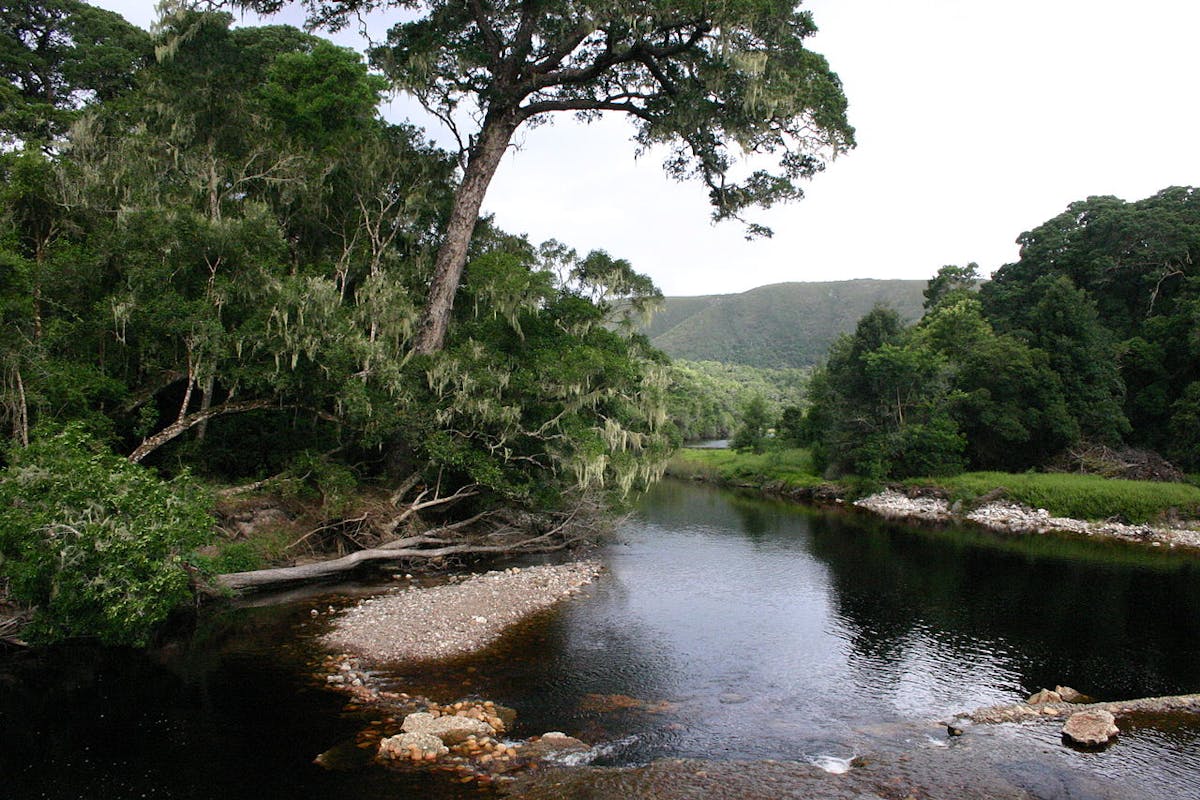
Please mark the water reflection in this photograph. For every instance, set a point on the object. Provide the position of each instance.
(729, 628)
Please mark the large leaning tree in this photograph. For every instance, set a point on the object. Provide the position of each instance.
(728, 85)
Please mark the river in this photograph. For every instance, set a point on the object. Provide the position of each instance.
(729, 628)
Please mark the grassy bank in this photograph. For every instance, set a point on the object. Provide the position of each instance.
(1064, 495)
(791, 467)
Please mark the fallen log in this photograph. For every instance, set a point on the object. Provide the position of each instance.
(405, 549)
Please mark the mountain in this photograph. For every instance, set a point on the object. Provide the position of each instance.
(781, 325)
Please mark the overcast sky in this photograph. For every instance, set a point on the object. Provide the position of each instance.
(976, 121)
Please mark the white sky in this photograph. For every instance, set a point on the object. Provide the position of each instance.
(976, 121)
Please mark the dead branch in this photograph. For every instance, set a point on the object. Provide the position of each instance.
(268, 578)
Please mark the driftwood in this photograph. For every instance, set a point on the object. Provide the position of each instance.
(435, 544)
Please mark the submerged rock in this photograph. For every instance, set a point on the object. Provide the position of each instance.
(1094, 728)
(553, 743)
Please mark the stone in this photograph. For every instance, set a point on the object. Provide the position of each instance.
(1094, 728)
(412, 745)
(1069, 695)
(451, 729)
(1044, 696)
(553, 743)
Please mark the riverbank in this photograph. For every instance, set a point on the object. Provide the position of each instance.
(460, 617)
(1152, 513)
(1008, 517)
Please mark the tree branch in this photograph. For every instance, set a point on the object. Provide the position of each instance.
(152, 443)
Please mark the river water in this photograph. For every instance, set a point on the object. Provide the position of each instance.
(729, 628)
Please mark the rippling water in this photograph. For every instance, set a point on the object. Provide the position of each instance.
(729, 628)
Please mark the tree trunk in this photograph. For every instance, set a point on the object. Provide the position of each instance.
(324, 570)
(498, 128)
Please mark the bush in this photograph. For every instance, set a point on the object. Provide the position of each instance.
(95, 544)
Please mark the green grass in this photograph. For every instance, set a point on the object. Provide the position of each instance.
(1064, 495)
(792, 467)
(1078, 496)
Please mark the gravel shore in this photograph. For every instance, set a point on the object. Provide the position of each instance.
(439, 622)
(1013, 518)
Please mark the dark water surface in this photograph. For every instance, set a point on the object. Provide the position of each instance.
(729, 628)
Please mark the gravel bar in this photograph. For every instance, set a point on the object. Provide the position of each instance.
(440, 622)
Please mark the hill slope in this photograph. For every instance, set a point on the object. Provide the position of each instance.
(781, 325)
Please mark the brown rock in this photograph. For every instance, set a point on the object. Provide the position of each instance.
(1069, 695)
(1090, 728)
(1044, 696)
(552, 743)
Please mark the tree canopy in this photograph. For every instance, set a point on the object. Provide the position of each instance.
(712, 81)
(1090, 338)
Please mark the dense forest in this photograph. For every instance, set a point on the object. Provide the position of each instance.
(1090, 340)
(220, 265)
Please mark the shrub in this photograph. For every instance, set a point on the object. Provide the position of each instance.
(94, 543)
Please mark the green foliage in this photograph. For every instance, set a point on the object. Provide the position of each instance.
(951, 283)
(882, 405)
(97, 545)
(1080, 496)
(789, 467)
(56, 57)
(706, 398)
(1110, 290)
(753, 428)
(782, 326)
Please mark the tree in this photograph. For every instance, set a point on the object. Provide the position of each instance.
(707, 80)
(951, 282)
(752, 431)
(57, 56)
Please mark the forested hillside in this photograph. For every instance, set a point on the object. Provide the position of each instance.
(784, 325)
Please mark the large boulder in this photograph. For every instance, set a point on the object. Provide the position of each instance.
(1095, 728)
(450, 729)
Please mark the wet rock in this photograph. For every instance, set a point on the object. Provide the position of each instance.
(1069, 695)
(1044, 696)
(553, 743)
(450, 730)
(733, 698)
(1094, 728)
(415, 746)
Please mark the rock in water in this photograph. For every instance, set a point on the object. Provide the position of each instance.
(552, 744)
(1069, 695)
(1044, 696)
(415, 746)
(449, 729)
(1090, 728)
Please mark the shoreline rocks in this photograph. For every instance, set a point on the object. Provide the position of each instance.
(1008, 517)
(455, 619)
